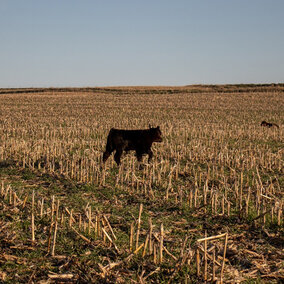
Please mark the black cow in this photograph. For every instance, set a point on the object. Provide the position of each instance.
(125, 140)
(268, 124)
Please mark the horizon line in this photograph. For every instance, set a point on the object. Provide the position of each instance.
(145, 86)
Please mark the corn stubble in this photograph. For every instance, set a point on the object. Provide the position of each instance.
(219, 172)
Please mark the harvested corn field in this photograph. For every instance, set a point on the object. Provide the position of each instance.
(208, 207)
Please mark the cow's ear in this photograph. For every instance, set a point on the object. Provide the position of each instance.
(150, 126)
(158, 127)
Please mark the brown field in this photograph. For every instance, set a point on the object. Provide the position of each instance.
(66, 217)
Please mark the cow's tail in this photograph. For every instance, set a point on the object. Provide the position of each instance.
(276, 125)
(109, 145)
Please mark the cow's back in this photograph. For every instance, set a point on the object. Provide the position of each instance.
(128, 139)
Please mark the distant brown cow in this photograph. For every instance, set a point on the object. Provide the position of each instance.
(268, 124)
(126, 140)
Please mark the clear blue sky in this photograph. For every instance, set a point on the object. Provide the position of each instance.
(140, 42)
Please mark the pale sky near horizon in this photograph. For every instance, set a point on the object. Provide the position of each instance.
(67, 43)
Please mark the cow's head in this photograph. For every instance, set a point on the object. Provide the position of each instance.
(156, 134)
(263, 123)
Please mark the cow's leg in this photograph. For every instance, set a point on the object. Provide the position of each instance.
(139, 156)
(109, 149)
(139, 159)
(117, 156)
(150, 155)
(106, 155)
